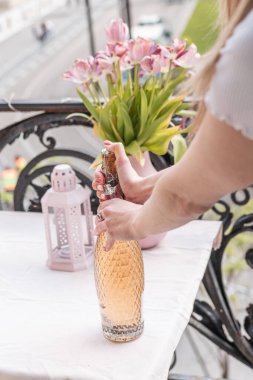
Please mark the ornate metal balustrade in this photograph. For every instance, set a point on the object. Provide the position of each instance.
(215, 319)
(35, 175)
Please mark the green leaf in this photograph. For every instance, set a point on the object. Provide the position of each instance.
(79, 114)
(112, 104)
(116, 132)
(179, 147)
(129, 102)
(172, 103)
(90, 107)
(186, 130)
(135, 150)
(144, 111)
(98, 131)
(134, 113)
(128, 88)
(147, 82)
(158, 124)
(158, 143)
(111, 89)
(151, 92)
(120, 120)
(104, 120)
(165, 94)
(128, 126)
(186, 113)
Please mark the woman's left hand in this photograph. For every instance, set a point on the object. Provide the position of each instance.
(117, 219)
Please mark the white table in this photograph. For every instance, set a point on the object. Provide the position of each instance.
(50, 323)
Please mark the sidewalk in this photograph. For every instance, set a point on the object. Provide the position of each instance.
(15, 19)
(62, 20)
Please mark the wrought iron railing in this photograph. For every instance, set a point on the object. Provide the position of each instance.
(218, 322)
(214, 319)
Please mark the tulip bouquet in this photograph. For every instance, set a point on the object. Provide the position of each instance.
(130, 90)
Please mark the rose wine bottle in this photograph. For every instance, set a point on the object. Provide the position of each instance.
(119, 273)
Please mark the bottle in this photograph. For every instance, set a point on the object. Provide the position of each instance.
(119, 273)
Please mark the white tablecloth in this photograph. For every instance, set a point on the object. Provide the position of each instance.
(50, 323)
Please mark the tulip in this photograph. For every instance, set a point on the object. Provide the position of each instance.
(165, 57)
(139, 48)
(165, 64)
(187, 58)
(94, 70)
(147, 64)
(118, 50)
(84, 71)
(151, 64)
(117, 31)
(178, 45)
(79, 72)
(163, 50)
(104, 62)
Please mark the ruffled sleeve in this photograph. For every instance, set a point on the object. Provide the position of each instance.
(230, 96)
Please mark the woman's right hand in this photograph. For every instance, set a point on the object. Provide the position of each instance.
(130, 181)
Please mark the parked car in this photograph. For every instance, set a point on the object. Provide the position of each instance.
(151, 26)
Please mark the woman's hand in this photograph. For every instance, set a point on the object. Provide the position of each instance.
(130, 181)
(117, 219)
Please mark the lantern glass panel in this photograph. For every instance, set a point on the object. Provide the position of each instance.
(60, 244)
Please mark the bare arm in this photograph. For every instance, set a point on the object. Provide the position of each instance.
(218, 162)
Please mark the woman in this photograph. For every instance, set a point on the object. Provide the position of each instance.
(220, 158)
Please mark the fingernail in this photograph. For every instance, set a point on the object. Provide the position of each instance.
(100, 187)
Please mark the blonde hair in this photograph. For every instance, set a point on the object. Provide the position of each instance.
(231, 13)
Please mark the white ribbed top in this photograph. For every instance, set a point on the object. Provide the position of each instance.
(230, 96)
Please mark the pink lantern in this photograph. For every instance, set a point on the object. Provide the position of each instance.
(68, 222)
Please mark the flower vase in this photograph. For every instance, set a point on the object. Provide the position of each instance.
(144, 171)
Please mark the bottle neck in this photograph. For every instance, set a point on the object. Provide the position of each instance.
(112, 186)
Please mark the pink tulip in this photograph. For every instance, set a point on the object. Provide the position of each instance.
(125, 63)
(187, 58)
(147, 64)
(163, 50)
(140, 48)
(151, 64)
(94, 71)
(72, 75)
(118, 49)
(165, 64)
(178, 45)
(79, 72)
(165, 57)
(104, 61)
(117, 31)
(84, 71)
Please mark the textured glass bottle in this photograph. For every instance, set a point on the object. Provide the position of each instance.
(119, 274)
